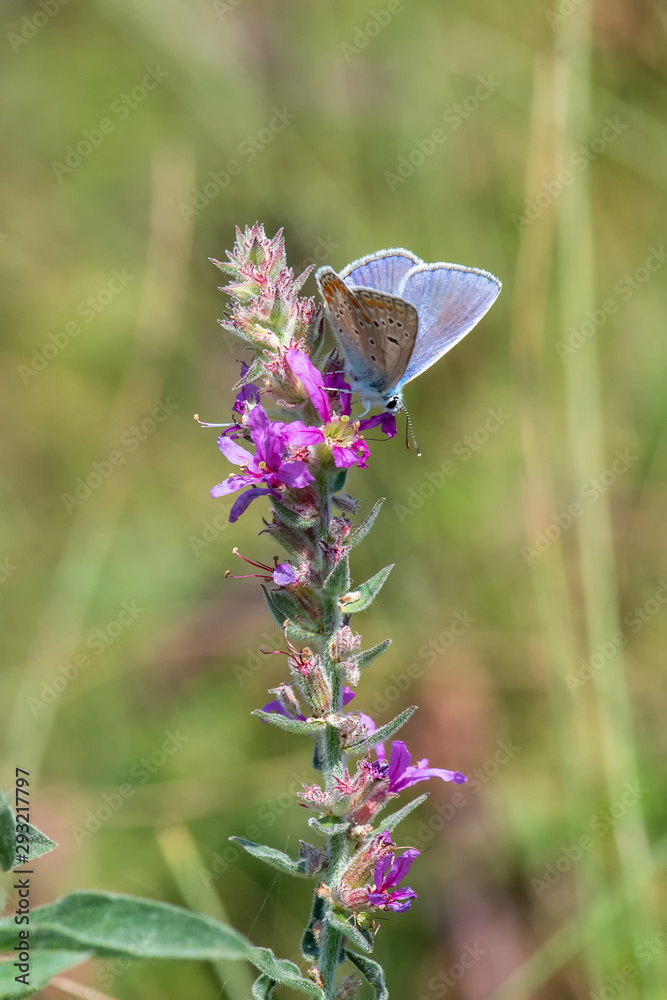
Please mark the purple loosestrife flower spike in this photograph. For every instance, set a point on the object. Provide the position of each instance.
(294, 436)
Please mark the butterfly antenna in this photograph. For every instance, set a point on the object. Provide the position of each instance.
(408, 425)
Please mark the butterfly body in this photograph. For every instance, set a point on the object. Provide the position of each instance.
(395, 316)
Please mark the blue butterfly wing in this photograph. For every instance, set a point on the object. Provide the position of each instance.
(384, 270)
(450, 300)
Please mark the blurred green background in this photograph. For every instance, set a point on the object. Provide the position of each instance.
(137, 135)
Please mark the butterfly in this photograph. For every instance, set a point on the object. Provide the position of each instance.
(395, 316)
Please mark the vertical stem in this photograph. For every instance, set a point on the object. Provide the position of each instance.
(334, 756)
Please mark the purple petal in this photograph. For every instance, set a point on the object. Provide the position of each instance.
(248, 394)
(336, 380)
(382, 868)
(348, 695)
(386, 422)
(312, 379)
(244, 502)
(399, 761)
(299, 436)
(260, 429)
(295, 475)
(231, 485)
(400, 868)
(283, 575)
(233, 451)
(346, 457)
(422, 773)
(368, 722)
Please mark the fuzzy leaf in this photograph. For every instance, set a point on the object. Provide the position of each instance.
(353, 933)
(308, 728)
(255, 371)
(288, 517)
(366, 657)
(338, 581)
(372, 972)
(360, 533)
(44, 965)
(281, 605)
(363, 596)
(277, 859)
(108, 924)
(297, 633)
(310, 947)
(112, 924)
(384, 732)
(7, 835)
(282, 971)
(262, 988)
(327, 825)
(39, 843)
(390, 822)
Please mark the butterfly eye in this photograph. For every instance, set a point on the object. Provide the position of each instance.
(392, 403)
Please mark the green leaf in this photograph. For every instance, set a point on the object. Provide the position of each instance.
(281, 605)
(327, 825)
(360, 533)
(291, 725)
(277, 859)
(297, 633)
(339, 480)
(384, 732)
(108, 924)
(7, 835)
(113, 924)
(363, 597)
(352, 932)
(282, 971)
(288, 517)
(373, 972)
(255, 371)
(39, 843)
(310, 946)
(366, 657)
(262, 988)
(390, 822)
(338, 581)
(44, 965)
